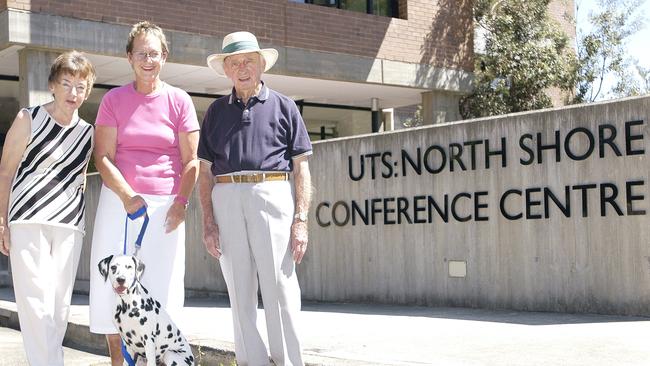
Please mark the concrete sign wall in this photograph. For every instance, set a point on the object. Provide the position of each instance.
(535, 211)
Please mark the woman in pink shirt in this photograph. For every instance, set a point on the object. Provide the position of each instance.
(145, 150)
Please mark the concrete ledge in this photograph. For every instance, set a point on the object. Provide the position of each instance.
(61, 33)
(78, 336)
(9, 319)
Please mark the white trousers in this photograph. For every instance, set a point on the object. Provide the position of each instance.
(254, 227)
(162, 254)
(44, 261)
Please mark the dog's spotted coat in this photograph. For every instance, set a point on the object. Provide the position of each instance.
(147, 331)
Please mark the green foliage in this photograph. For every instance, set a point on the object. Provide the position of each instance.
(416, 120)
(525, 54)
(644, 77)
(602, 51)
(632, 81)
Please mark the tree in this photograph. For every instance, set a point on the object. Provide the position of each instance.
(525, 54)
(632, 81)
(602, 51)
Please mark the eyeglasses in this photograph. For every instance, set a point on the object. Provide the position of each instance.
(142, 56)
(80, 88)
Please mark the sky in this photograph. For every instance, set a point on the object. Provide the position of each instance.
(638, 45)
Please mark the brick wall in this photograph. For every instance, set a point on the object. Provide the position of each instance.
(563, 11)
(436, 32)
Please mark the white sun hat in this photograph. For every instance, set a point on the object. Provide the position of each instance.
(240, 42)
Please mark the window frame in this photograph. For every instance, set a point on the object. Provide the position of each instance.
(394, 7)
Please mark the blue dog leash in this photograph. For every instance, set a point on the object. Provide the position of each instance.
(142, 211)
(127, 356)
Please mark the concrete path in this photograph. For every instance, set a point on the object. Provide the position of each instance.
(354, 334)
(13, 353)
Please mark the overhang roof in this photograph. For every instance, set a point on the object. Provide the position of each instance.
(117, 71)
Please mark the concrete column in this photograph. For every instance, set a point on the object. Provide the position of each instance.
(34, 69)
(375, 114)
(354, 123)
(389, 121)
(439, 107)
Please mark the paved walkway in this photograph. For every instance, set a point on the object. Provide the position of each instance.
(14, 355)
(355, 334)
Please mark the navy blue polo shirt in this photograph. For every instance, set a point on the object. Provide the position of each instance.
(261, 136)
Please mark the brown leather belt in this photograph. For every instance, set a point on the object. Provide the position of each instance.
(251, 178)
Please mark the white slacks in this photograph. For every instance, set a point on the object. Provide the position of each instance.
(162, 254)
(254, 227)
(44, 261)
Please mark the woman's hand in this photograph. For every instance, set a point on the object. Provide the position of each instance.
(5, 240)
(175, 216)
(133, 204)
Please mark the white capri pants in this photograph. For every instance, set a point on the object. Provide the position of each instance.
(44, 261)
(254, 231)
(162, 254)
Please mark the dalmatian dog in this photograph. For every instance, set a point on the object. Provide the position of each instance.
(146, 329)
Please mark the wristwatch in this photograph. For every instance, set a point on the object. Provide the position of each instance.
(300, 216)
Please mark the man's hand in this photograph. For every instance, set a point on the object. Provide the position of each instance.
(5, 243)
(299, 238)
(175, 216)
(211, 239)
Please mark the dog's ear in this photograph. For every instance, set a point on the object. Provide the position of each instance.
(139, 267)
(103, 266)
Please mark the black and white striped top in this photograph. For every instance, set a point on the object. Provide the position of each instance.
(49, 183)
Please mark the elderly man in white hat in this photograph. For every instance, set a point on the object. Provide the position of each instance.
(254, 219)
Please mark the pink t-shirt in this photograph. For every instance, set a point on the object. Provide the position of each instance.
(148, 152)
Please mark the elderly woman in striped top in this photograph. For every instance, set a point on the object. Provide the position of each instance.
(42, 181)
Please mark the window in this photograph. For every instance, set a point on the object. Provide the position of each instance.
(356, 5)
(386, 8)
(323, 2)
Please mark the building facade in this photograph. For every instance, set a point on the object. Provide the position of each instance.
(335, 59)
